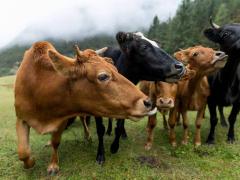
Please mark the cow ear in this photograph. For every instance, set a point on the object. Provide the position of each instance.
(61, 63)
(109, 60)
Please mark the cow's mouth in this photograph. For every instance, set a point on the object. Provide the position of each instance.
(176, 77)
(138, 117)
(220, 61)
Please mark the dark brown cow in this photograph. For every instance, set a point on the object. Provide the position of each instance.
(50, 88)
(192, 94)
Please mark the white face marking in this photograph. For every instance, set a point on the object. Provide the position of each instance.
(143, 37)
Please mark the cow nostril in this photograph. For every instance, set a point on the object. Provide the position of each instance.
(169, 101)
(161, 101)
(219, 53)
(178, 66)
(147, 103)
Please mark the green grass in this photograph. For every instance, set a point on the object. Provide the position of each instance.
(77, 157)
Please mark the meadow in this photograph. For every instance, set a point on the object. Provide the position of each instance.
(77, 156)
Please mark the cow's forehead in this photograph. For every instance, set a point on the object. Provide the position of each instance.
(140, 34)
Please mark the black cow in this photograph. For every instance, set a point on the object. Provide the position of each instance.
(225, 83)
(138, 58)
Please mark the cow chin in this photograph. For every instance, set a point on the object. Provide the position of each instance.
(137, 117)
(220, 64)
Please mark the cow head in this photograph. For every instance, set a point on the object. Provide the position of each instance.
(146, 60)
(165, 94)
(97, 88)
(203, 60)
(227, 36)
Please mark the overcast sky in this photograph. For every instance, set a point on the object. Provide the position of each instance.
(30, 20)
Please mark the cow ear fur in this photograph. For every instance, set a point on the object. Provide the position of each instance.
(61, 63)
(109, 60)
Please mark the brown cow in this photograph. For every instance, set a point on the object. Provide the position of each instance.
(192, 94)
(50, 88)
(163, 97)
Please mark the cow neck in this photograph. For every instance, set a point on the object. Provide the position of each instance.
(125, 68)
(194, 83)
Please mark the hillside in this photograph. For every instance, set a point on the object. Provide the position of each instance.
(11, 56)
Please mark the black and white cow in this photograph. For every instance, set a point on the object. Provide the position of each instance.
(138, 58)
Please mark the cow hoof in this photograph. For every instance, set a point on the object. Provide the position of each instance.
(114, 148)
(124, 136)
(29, 163)
(184, 142)
(231, 140)
(53, 169)
(148, 146)
(197, 144)
(100, 159)
(174, 144)
(210, 141)
(88, 139)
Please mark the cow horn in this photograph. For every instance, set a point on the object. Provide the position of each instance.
(215, 26)
(101, 51)
(80, 57)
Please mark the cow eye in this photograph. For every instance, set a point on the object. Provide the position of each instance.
(225, 35)
(103, 77)
(144, 46)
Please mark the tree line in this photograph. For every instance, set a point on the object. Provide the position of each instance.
(181, 31)
(192, 17)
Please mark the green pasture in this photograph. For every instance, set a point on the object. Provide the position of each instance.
(77, 156)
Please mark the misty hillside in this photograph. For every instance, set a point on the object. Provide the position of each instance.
(183, 30)
(12, 56)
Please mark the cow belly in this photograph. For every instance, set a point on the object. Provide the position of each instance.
(43, 127)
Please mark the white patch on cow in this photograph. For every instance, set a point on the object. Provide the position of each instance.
(143, 37)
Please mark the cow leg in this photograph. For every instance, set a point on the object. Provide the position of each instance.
(124, 133)
(109, 128)
(100, 132)
(178, 119)
(222, 117)
(118, 132)
(24, 151)
(198, 123)
(172, 122)
(232, 120)
(85, 127)
(213, 121)
(152, 121)
(53, 167)
(185, 127)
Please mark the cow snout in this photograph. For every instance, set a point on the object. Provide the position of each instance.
(178, 66)
(219, 53)
(147, 103)
(165, 103)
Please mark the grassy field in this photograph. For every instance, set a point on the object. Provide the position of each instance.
(77, 157)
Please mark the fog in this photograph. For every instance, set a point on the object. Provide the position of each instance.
(24, 21)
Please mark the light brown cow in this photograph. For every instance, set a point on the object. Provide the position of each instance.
(163, 97)
(50, 88)
(192, 94)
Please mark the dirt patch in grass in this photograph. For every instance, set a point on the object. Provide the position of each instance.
(152, 162)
